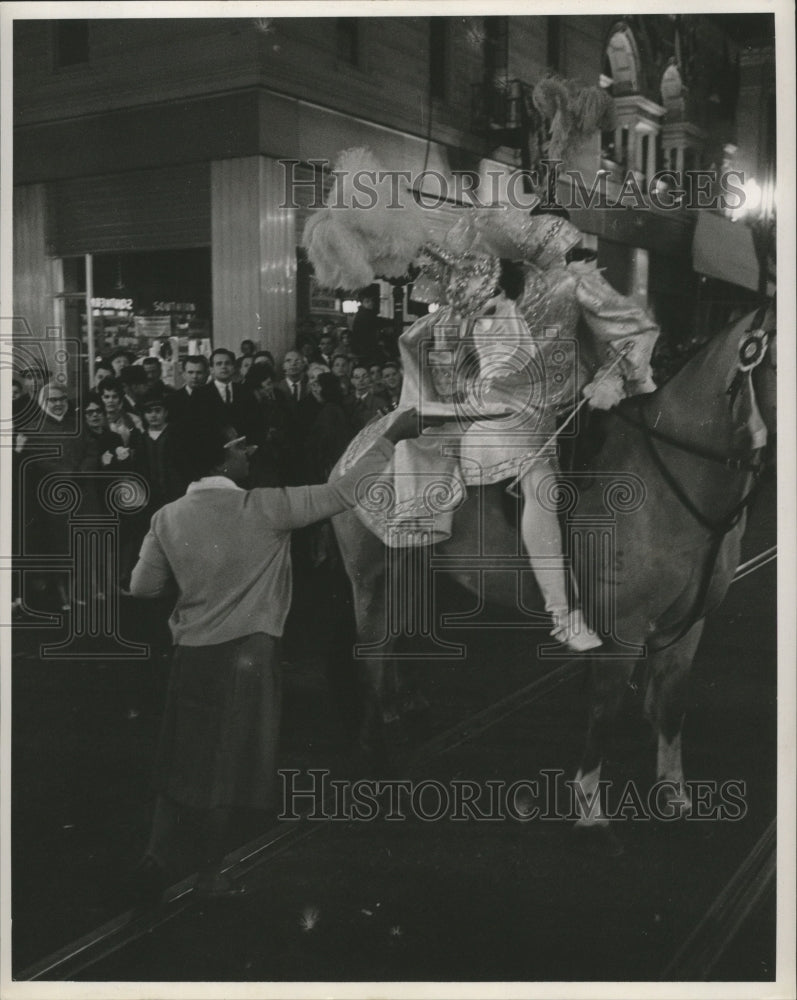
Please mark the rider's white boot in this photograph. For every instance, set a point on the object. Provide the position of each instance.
(572, 631)
(543, 542)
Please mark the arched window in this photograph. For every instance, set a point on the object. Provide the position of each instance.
(623, 60)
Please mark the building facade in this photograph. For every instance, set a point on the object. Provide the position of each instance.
(163, 169)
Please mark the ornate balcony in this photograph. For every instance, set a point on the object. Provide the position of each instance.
(500, 111)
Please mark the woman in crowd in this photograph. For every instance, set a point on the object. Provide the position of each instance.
(242, 366)
(344, 341)
(127, 425)
(130, 429)
(102, 370)
(100, 448)
(47, 530)
(341, 369)
(120, 360)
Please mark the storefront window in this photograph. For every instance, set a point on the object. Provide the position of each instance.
(156, 303)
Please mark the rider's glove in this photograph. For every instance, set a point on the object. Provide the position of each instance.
(605, 390)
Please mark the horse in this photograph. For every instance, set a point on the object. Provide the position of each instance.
(678, 468)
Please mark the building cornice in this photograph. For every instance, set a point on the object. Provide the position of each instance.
(638, 102)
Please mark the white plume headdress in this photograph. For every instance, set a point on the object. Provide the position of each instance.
(371, 225)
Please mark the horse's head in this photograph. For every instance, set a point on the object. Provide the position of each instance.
(727, 390)
(765, 374)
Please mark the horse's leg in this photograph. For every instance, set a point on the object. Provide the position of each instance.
(609, 680)
(665, 705)
(376, 671)
(367, 565)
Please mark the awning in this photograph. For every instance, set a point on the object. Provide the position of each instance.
(724, 249)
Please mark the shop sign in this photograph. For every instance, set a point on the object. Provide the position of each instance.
(120, 304)
(174, 307)
(153, 326)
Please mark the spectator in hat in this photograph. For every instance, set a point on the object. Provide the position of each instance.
(136, 385)
(162, 462)
(365, 329)
(219, 738)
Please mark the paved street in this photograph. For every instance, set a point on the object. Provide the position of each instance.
(408, 900)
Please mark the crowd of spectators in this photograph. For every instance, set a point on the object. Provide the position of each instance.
(300, 412)
(234, 421)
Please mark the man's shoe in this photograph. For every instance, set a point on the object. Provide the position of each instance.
(574, 633)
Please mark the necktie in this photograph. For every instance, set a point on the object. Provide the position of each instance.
(295, 390)
(227, 395)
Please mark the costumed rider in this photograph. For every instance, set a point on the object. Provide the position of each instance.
(498, 361)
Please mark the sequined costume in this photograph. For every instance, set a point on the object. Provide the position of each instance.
(501, 369)
(497, 371)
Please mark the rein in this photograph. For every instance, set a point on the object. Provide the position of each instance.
(727, 461)
(723, 525)
(717, 529)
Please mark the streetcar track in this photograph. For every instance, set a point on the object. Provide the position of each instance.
(699, 953)
(714, 932)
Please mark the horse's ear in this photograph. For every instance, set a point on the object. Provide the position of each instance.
(770, 321)
(749, 429)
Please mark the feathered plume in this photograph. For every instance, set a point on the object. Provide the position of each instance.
(357, 236)
(573, 112)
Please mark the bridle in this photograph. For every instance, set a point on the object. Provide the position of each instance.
(717, 528)
(730, 462)
(650, 435)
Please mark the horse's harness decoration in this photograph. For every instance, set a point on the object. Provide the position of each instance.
(752, 349)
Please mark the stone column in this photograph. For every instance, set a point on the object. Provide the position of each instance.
(253, 255)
